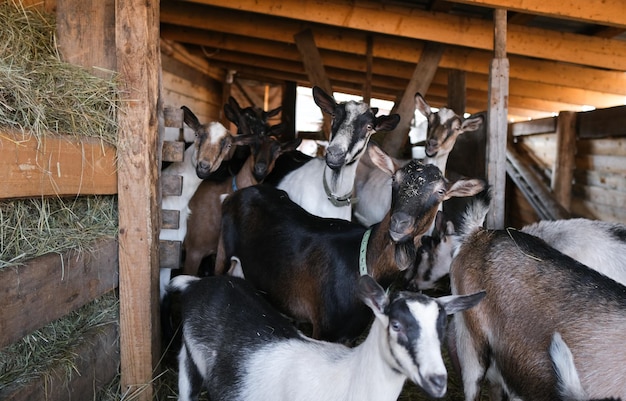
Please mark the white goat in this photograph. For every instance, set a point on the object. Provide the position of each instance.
(240, 348)
(324, 187)
(372, 186)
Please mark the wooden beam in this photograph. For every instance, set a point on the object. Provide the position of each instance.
(420, 81)
(279, 30)
(444, 28)
(602, 12)
(138, 61)
(51, 286)
(367, 86)
(456, 91)
(602, 123)
(55, 165)
(314, 67)
(564, 163)
(497, 123)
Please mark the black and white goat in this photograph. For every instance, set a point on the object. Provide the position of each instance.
(324, 186)
(309, 266)
(371, 186)
(240, 348)
(533, 291)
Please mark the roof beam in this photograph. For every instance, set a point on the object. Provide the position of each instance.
(445, 28)
(602, 12)
(401, 49)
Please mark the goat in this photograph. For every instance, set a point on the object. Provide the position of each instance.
(600, 245)
(204, 224)
(533, 290)
(309, 265)
(324, 187)
(249, 120)
(444, 127)
(568, 381)
(240, 348)
(204, 151)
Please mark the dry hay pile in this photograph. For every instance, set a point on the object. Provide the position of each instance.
(41, 95)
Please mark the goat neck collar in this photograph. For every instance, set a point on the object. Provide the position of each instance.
(363, 252)
(337, 201)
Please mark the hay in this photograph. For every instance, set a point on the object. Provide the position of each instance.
(34, 355)
(36, 226)
(42, 95)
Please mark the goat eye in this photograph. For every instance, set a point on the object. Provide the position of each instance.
(370, 127)
(396, 326)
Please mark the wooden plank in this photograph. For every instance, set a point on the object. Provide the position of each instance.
(607, 164)
(170, 219)
(314, 67)
(82, 41)
(601, 12)
(590, 210)
(601, 196)
(173, 117)
(563, 168)
(171, 185)
(420, 81)
(173, 151)
(139, 65)
(533, 127)
(170, 254)
(48, 287)
(95, 363)
(55, 165)
(603, 146)
(600, 123)
(615, 181)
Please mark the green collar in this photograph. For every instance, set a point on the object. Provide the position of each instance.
(363, 252)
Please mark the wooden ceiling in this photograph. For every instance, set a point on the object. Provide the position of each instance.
(563, 55)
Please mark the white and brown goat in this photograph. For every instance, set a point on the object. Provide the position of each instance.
(533, 291)
(324, 186)
(371, 186)
(239, 347)
(309, 266)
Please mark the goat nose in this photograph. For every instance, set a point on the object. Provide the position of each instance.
(438, 385)
(400, 225)
(203, 165)
(335, 157)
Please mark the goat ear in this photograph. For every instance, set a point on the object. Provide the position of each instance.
(291, 145)
(422, 106)
(374, 110)
(387, 123)
(382, 160)
(190, 118)
(462, 188)
(372, 294)
(458, 303)
(272, 113)
(323, 100)
(472, 124)
(245, 139)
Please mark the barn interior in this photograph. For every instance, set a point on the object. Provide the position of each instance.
(549, 79)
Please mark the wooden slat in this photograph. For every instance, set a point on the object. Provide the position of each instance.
(95, 363)
(563, 168)
(420, 82)
(603, 123)
(171, 185)
(138, 63)
(57, 165)
(533, 127)
(173, 151)
(170, 254)
(170, 219)
(49, 287)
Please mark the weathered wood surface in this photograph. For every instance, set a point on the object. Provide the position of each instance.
(95, 361)
(55, 165)
(49, 287)
(138, 62)
(563, 168)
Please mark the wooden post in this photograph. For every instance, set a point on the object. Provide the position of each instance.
(563, 169)
(497, 111)
(288, 111)
(314, 68)
(367, 86)
(420, 82)
(456, 91)
(138, 61)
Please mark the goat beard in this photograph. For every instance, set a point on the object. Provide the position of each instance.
(405, 254)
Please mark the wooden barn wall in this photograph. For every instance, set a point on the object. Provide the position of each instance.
(599, 183)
